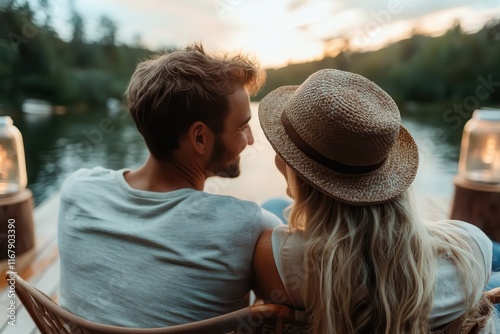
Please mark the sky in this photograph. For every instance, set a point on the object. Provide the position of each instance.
(277, 32)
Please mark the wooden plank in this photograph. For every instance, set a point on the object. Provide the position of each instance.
(49, 259)
(36, 262)
(47, 282)
(40, 266)
(49, 269)
(45, 233)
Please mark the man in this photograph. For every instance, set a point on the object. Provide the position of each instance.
(149, 248)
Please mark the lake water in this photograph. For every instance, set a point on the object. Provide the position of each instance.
(57, 145)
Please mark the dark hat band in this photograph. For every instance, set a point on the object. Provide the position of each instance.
(320, 158)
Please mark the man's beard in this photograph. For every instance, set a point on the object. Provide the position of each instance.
(219, 161)
(231, 171)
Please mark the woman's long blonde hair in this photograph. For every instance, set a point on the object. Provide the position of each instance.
(371, 269)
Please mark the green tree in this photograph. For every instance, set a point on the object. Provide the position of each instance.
(108, 31)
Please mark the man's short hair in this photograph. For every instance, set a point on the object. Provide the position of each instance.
(171, 91)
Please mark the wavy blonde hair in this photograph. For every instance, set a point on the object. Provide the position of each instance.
(371, 269)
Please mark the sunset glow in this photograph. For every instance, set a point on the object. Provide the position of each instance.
(280, 31)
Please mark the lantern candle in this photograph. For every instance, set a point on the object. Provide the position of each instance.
(16, 201)
(477, 186)
(13, 176)
(480, 152)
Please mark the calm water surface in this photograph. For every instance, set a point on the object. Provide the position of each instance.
(57, 145)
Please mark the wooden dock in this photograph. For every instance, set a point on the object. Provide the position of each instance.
(259, 181)
(40, 266)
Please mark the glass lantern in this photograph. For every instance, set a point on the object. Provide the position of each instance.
(480, 151)
(12, 163)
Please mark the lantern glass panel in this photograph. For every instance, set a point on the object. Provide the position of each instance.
(480, 151)
(13, 176)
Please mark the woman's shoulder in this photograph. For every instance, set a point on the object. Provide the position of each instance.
(459, 225)
(473, 235)
(288, 246)
(449, 300)
(286, 243)
(288, 254)
(282, 234)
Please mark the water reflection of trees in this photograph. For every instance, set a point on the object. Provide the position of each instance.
(57, 145)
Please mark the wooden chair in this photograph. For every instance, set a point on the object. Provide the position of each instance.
(50, 318)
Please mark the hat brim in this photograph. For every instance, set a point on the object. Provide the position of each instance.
(379, 186)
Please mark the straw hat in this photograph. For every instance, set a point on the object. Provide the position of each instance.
(342, 133)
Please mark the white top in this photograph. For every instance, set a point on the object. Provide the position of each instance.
(148, 259)
(448, 300)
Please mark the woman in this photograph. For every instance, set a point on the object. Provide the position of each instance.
(355, 256)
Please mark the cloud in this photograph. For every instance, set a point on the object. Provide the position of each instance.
(412, 8)
(295, 4)
(163, 23)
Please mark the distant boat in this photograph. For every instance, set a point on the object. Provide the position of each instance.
(114, 107)
(36, 107)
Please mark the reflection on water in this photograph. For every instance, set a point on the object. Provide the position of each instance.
(438, 159)
(57, 145)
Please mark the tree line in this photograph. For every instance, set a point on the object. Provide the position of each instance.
(35, 62)
(420, 70)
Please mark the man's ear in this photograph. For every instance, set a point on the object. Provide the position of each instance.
(200, 137)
